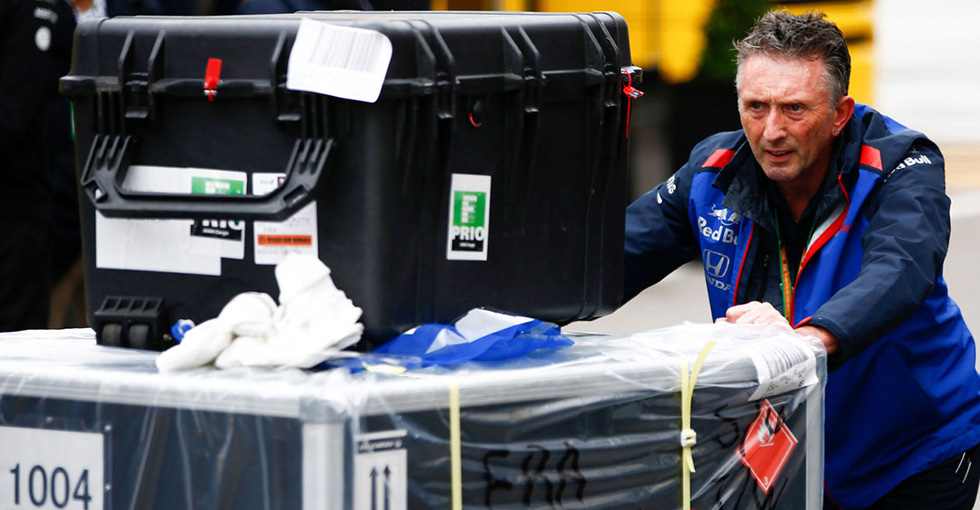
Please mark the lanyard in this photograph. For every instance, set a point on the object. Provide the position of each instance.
(787, 284)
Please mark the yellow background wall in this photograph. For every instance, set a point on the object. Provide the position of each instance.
(666, 36)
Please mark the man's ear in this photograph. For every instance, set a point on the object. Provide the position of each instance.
(843, 112)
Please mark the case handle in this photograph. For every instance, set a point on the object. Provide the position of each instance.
(111, 156)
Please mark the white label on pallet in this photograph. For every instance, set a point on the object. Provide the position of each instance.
(173, 246)
(276, 239)
(782, 366)
(381, 471)
(51, 469)
(350, 63)
(469, 217)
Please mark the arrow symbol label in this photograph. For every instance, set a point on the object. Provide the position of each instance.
(380, 471)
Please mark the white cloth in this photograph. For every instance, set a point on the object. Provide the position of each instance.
(313, 322)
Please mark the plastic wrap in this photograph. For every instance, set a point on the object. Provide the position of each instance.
(595, 425)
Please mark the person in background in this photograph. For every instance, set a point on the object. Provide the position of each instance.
(67, 294)
(27, 30)
(830, 217)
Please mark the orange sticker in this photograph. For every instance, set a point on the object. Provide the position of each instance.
(285, 240)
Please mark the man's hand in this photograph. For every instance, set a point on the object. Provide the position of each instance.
(828, 338)
(753, 312)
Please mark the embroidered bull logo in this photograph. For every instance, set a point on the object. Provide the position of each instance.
(725, 216)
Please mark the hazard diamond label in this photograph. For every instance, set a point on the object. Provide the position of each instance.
(767, 446)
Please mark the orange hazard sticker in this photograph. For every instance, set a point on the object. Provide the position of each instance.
(285, 240)
(767, 446)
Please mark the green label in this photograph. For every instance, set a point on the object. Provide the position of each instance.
(469, 209)
(469, 217)
(208, 186)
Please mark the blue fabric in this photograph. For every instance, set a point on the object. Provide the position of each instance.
(906, 395)
(508, 343)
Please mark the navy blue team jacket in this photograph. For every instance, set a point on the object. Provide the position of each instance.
(906, 394)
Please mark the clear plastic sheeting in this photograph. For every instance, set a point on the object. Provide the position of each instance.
(595, 425)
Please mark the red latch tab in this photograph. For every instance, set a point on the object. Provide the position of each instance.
(211, 78)
(631, 94)
(629, 89)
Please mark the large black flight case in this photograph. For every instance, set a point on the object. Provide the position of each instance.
(488, 171)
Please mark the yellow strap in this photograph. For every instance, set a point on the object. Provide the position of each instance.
(688, 436)
(455, 455)
(455, 441)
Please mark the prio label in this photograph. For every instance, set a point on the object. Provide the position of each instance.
(469, 217)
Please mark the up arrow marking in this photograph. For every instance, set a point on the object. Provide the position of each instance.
(387, 488)
(374, 491)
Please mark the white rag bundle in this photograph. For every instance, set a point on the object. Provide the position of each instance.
(313, 322)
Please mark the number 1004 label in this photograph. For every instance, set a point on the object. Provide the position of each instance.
(51, 469)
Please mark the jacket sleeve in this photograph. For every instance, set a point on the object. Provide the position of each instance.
(904, 246)
(659, 236)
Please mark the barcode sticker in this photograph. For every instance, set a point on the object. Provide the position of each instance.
(350, 63)
(782, 366)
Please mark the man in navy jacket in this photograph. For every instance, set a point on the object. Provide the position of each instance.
(828, 215)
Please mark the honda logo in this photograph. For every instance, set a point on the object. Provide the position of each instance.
(716, 264)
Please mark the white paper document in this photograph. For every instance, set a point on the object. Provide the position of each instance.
(350, 63)
(782, 366)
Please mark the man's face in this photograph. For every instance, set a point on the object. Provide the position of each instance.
(785, 108)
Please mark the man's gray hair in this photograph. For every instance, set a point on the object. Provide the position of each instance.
(779, 34)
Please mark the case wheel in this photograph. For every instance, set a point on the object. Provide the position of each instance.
(112, 334)
(139, 336)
